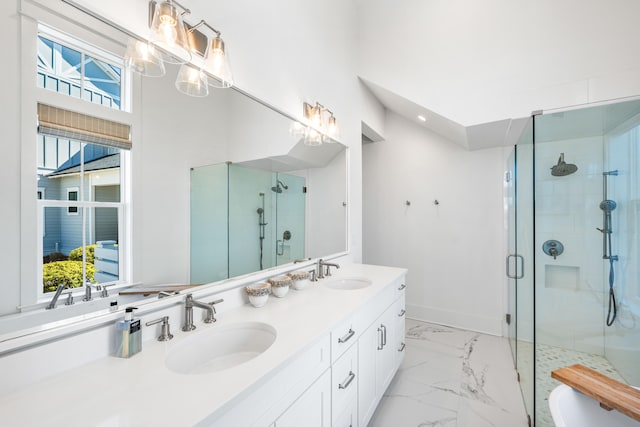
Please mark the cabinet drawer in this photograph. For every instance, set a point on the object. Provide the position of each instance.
(400, 285)
(344, 382)
(345, 335)
(349, 416)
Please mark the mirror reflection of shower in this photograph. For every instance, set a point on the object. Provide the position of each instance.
(261, 226)
(607, 206)
(285, 237)
(279, 186)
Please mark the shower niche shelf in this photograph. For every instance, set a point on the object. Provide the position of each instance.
(561, 277)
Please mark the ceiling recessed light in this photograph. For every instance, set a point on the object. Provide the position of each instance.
(422, 118)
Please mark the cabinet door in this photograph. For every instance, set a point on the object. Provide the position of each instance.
(312, 409)
(368, 347)
(386, 356)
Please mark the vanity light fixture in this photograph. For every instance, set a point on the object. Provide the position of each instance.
(168, 31)
(319, 130)
(204, 60)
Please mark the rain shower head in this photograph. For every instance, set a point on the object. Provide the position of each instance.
(562, 168)
(608, 205)
(279, 186)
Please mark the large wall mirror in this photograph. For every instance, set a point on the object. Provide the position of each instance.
(202, 169)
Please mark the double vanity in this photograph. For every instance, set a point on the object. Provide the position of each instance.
(321, 356)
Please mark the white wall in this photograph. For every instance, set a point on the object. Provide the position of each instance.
(476, 62)
(10, 170)
(453, 250)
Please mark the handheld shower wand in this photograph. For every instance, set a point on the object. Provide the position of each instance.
(607, 206)
(261, 225)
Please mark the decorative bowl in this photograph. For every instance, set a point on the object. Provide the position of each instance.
(300, 279)
(258, 293)
(280, 285)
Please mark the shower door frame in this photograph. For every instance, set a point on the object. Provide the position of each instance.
(520, 259)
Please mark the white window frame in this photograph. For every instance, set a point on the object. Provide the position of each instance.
(33, 209)
(97, 53)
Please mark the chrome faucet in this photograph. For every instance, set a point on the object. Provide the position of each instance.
(189, 303)
(87, 291)
(326, 271)
(54, 300)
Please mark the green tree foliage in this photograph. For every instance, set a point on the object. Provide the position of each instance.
(65, 272)
(76, 254)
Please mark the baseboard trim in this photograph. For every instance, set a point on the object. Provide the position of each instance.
(455, 319)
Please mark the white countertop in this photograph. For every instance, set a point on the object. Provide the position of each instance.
(142, 391)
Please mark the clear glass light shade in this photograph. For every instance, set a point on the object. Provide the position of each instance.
(169, 34)
(312, 137)
(297, 129)
(141, 57)
(333, 132)
(192, 81)
(313, 114)
(217, 64)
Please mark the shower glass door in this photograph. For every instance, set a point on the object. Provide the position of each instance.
(524, 291)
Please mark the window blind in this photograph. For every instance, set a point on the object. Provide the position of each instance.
(67, 124)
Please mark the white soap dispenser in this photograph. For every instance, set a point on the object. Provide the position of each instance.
(128, 335)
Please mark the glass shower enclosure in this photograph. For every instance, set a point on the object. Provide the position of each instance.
(573, 202)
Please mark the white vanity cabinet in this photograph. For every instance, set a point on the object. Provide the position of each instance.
(379, 356)
(312, 409)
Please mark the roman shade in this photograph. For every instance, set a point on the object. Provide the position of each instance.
(61, 123)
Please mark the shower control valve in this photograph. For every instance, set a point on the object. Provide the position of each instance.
(553, 248)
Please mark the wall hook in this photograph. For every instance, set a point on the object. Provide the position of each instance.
(436, 202)
(408, 203)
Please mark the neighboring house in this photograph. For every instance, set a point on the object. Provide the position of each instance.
(63, 226)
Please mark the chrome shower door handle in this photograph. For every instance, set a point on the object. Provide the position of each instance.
(508, 266)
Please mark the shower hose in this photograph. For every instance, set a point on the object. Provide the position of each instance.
(611, 315)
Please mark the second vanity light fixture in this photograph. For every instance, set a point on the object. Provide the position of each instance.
(204, 61)
(321, 127)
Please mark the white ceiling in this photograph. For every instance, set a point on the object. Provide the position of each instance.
(475, 137)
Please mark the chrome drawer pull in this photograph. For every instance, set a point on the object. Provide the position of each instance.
(384, 335)
(380, 339)
(346, 382)
(402, 287)
(402, 312)
(402, 347)
(347, 337)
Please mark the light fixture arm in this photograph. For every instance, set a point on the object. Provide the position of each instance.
(186, 11)
(206, 24)
(153, 4)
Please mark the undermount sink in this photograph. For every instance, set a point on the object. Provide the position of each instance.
(348, 283)
(220, 347)
(570, 408)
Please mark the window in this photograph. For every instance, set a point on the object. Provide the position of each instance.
(81, 172)
(72, 195)
(66, 66)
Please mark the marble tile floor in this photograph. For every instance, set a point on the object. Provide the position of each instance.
(452, 378)
(549, 358)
